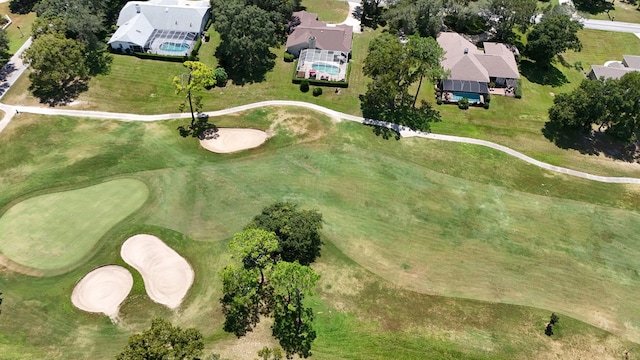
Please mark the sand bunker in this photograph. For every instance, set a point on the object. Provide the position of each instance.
(103, 290)
(167, 275)
(232, 140)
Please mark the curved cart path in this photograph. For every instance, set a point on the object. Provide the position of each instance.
(405, 132)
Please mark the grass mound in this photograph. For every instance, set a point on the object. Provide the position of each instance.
(57, 230)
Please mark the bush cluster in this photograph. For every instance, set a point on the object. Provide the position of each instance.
(304, 85)
(317, 91)
(463, 104)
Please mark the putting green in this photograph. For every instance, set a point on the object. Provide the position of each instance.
(57, 230)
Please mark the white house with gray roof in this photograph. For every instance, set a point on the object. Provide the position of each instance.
(472, 69)
(615, 69)
(166, 27)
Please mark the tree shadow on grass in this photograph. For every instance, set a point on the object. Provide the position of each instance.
(59, 95)
(542, 74)
(594, 7)
(594, 143)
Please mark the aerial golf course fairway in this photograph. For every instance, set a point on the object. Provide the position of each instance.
(59, 229)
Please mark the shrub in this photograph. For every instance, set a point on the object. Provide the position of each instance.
(221, 77)
(485, 105)
(288, 57)
(518, 90)
(317, 91)
(463, 104)
(439, 101)
(304, 85)
(487, 98)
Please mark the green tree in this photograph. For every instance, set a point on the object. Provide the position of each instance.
(22, 6)
(58, 71)
(609, 105)
(164, 341)
(512, 13)
(372, 12)
(83, 21)
(552, 36)
(256, 248)
(198, 77)
(242, 301)
(394, 67)
(244, 50)
(427, 55)
(298, 231)
(258, 284)
(424, 17)
(292, 324)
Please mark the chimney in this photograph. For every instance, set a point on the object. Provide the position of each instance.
(137, 9)
(466, 51)
(312, 42)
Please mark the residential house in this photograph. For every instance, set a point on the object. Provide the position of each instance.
(615, 69)
(166, 27)
(323, 49)
(472, 70)
(306, 32)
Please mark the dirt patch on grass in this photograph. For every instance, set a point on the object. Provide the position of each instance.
(247, 347)
(302, 126)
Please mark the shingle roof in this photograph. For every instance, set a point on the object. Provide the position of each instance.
(167, 14)
(328, 37)
(466, 62)
(632, 61)
(598, 71)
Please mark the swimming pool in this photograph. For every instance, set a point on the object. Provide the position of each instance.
(472, 97)
(174, 47)
(326, 68)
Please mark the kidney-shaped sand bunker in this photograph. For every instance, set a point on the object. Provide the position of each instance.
(229, 140)
(103, 290)
(167, 275)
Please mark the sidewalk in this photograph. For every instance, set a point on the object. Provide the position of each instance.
(10, 73)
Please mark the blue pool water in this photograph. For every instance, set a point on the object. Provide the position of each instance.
(329, 69)
(472, 97)
(174, 47)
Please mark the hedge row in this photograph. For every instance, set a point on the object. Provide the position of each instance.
(142, 55)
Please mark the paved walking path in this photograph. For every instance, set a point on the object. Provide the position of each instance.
(10, 74)
(405, 132)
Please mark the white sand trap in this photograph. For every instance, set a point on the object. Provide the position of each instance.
(232, 140)
(167, 275)
(103, 290)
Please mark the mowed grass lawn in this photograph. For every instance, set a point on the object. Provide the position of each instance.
(20, 28)
(145, 86)
(622, 11)
(403, 219)
(56, 230)
(334, 11)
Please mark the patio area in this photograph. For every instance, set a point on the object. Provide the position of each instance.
(316, 64)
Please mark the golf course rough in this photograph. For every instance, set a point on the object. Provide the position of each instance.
(56, 230)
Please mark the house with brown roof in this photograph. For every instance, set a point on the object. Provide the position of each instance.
(615, 69)
(306, 32)
(472, 69)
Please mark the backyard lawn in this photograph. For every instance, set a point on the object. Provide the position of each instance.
(145, 86)
(622, 12)
(403, 219)
(334, 11)
(20, 28)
